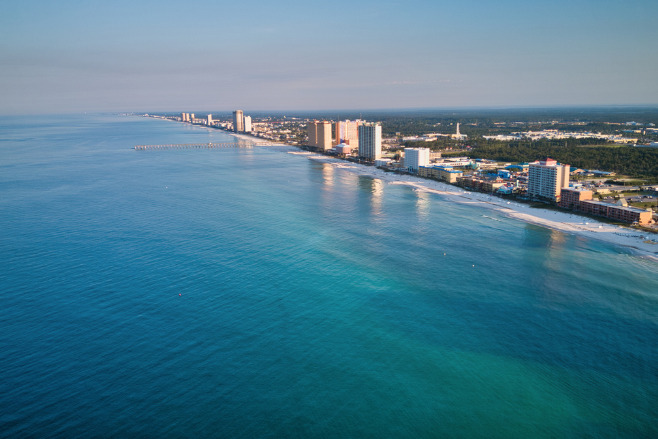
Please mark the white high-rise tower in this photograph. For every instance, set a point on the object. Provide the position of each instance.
(370, 141)
(546, 179)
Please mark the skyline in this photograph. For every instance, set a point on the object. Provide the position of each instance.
(162, 56)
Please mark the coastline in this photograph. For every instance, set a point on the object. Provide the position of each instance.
(570, 223)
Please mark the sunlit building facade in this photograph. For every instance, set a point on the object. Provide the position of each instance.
(370, 141)
(319, 135)
(415, 158)
(347, 132)
(238, 121)
(547, 178)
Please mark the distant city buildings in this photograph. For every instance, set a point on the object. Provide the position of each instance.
(552, 134)
(238, 121)
(370, 141)
(547, 178)
(209, 121)
(415, 158)
(247, 124)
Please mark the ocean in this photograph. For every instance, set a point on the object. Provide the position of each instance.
(248, 292)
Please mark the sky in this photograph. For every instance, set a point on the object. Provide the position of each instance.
(76, 56)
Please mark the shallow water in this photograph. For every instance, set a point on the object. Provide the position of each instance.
(254, 293)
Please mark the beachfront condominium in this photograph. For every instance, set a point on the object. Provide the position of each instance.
(415, 158)
(319, 135)
(247, 124)
(546, 179)
(209, 122)
(238, 121)
(312, 133)
(370, 141)
(347, 132)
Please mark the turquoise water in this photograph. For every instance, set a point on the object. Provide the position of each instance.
(255, 293)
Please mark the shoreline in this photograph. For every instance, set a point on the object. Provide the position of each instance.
(570, 223)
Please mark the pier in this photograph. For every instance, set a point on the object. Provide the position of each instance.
(199, 146)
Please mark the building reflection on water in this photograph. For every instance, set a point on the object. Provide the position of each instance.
(328, 175)
(422, 204)
(375, 188)
(548, 259)
(246, 156)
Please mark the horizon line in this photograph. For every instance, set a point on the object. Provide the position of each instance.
(357, 110)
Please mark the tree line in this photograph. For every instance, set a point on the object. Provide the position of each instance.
(626, 160)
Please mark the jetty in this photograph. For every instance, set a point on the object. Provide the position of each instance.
(199, 146)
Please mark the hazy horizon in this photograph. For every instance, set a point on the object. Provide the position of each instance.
(71, 57)
(649, 111)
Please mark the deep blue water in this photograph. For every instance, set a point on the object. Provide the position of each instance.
(255, 293)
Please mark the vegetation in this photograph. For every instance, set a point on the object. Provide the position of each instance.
(641, 163)
(440, 144)
(628, 182)
(638, 162)
(626, 160)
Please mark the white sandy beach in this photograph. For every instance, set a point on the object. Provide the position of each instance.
(641, 243)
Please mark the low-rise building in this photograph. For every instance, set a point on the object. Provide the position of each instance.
(470, 182)
(581, 200)
(344, 149)
(491, 185)
(571, 198)
(457, 162)
(446, 174)
(617, 212)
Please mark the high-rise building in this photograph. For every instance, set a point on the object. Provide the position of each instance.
(210, 119)
(370, 141)
(324, 136)
(247, 124)
(319, 135)
(416, 157)
(546, 179)
(238, 121)
(347, 132)
(312, 132)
